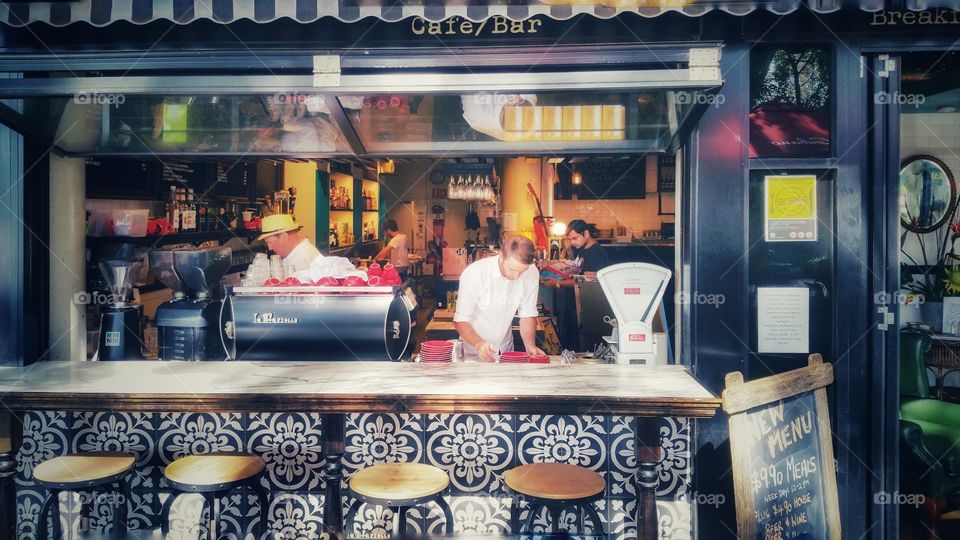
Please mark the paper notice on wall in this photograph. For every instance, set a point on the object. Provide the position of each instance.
(509, 221)
(790, 208)
(783, 320)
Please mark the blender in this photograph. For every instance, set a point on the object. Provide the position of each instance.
(187, 325)
(120, 333)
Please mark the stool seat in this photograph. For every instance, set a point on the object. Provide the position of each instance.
(214, 469)
(396, 481)
(554, 481)
(79, 470)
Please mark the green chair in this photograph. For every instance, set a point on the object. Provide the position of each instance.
(929, 435)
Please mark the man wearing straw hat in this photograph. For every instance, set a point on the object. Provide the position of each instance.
(281, 233)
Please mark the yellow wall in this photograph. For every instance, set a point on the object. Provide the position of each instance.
(303, 176)
(516, 174)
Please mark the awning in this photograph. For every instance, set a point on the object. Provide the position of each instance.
(104, 12)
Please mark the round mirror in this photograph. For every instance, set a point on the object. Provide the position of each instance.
(928, 194)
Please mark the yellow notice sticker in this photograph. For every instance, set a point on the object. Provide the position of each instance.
(790, 208)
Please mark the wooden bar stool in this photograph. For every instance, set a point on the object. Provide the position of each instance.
(400, 486)
(554, 486)
(214, 476)
(94, 471)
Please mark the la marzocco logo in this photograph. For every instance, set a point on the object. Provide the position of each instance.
(269, 318)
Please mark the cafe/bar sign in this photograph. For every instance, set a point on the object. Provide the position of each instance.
(790, 208)
(784, 475)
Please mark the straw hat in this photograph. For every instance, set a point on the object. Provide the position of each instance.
(276, 224)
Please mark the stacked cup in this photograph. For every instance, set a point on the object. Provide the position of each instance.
(436, 352)
(514, 357)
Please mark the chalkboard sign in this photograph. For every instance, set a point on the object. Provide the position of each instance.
(604, 178)
(185, 174)
(234, 179)
(784, 474)
(121, 178)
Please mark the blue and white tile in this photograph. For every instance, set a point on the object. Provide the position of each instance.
(673, 469)
(141, 510)
(292, 516)
(186, 434)
(475, 450)
(291, 445)
(472, 514)
(189, 516)
(577, 440)
(570, 520)
(371, 439)
(375, 521)
(674, 520)
(46, 434)
(120, 432)
(29, 504)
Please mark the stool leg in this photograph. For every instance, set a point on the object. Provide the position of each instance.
(264, 506)
(44, 510)
(55, 512)
(554, 518)
(515, 514)
(528, 523)
(165, 514)
(447, 514)
(351, 515)
(399, 521)
(211, 500)
(595, 518)
(120, 508)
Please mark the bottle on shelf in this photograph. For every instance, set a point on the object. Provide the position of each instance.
(181, 209)
(172, 209)
(190, 213)
(334, 242)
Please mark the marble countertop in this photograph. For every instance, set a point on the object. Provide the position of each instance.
(351, 386)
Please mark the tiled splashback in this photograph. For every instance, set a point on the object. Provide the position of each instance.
(637, 214)
(476, 450)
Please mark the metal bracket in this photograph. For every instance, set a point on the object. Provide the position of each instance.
(326, 71)
(888, 318)
(888, 66)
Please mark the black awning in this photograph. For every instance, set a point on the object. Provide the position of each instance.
(104, 12)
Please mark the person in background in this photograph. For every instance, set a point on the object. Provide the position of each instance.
(396, 248)
(281, 233)
(586, 250)
(494, 290)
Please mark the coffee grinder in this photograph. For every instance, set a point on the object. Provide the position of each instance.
(187, 325)
(120, 333)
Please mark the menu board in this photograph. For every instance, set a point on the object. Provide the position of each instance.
(185, 174)
(125, 178)
(784, 472)
(233, 179)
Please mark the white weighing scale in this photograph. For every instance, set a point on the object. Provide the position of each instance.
(634, 291)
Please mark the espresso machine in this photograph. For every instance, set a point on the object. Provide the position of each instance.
(120, 333)
(187, 324)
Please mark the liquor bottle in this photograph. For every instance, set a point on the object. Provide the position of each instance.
(190, 213)
(172, 210)
(203, 219)
(181, 210)
(333, 237)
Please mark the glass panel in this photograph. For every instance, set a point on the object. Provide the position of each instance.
(541, 122)
(116, 124)
(790, 102)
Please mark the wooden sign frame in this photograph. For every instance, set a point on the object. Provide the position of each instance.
(739, 397)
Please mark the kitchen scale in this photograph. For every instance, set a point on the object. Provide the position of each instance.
(635, 292)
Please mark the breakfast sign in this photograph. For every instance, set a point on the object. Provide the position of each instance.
(784, 473)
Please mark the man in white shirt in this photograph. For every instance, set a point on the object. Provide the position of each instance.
(492, 292)
(281, 233)
(396, 248)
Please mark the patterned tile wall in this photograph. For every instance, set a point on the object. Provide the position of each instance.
(476, 450)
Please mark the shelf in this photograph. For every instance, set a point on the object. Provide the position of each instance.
(341, 209)
(370, 211)
(176, 238)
